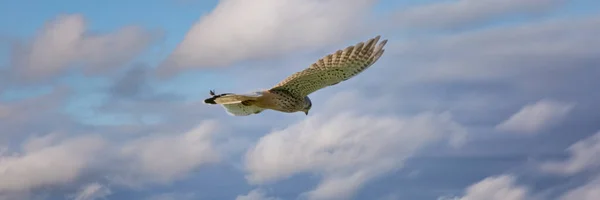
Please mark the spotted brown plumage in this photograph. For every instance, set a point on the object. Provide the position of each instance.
(333, 68)
(291, 94)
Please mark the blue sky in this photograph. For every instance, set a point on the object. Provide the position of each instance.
(471, 100)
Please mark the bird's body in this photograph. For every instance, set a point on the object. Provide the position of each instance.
(291, 94)
(279, 100)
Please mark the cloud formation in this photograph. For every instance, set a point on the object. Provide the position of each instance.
(173, 196)
(46, 161)
(536, 117)
(588, 191)
(165, 158)
(59, 159)
(38, 114)
(451, 14)
(92, 191)
(502, 187)
(346, 149)
(519, 54)
(64, 42)
(583, 157)
(256, 194)
(238, 30)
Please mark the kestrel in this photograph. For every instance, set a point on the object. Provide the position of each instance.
(291, 94)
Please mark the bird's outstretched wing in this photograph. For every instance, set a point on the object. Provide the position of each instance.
(334, 68)
(238, 109)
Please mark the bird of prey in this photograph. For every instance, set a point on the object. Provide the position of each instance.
(291, 94)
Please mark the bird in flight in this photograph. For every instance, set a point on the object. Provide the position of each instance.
(291, 94)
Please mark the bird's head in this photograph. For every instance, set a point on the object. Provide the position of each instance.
(307, 105)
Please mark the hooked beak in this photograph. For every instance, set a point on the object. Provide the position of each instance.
(306, 112)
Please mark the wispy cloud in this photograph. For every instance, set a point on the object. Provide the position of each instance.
(536, 117)
(588, 191)
(502, 187)
(92, 191)
(453, 14)
(582, 157)
(519, 53)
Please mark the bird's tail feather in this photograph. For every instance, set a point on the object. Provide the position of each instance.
(229, 98)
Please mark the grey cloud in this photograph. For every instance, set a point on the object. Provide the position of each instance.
(133, 95)
(20, 196)
(173, 196)
(135, 84)
(506, 53)
(461, 13)
(39, 114)
(132, 83)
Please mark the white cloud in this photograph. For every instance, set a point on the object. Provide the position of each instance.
(584, 156)
(588, 191)
(57, 159)
(256, 194)
(347, 149)
(450, 14)
(240, 29)
(64, 42)
(501, 187)
(536, 117)
(49, 164)
(165, 158)
(92, 191)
